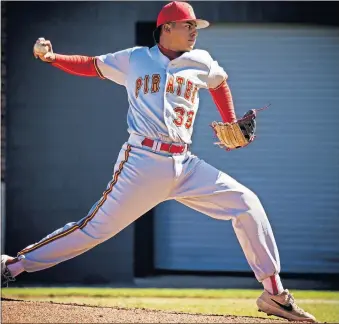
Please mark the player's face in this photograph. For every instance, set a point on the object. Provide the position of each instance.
(183, 35)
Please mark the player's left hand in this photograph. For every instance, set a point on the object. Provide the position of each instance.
(237, 134)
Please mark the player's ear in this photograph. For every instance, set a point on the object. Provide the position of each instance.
(167, 28)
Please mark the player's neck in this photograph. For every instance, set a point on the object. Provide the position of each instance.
(168, 52)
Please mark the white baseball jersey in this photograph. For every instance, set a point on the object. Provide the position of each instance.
(163, 95)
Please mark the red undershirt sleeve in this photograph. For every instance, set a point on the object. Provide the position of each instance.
(78, 65)
(222, 98)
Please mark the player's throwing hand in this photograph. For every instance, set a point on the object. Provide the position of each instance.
(43, 50)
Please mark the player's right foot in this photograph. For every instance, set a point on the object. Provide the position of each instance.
(6, 276)
(283, 305)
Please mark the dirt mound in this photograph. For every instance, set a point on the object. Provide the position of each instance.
(18, 311)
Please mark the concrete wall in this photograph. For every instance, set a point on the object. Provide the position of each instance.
(64, 133)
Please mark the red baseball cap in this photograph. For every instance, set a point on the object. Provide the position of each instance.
(179, 11)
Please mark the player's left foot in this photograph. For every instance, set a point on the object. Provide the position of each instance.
(283, 305)
(6, 276)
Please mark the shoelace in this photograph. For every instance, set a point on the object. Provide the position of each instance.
(292, 302)
(6, 277)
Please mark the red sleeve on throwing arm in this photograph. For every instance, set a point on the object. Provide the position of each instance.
(77, 65)
(222, 97)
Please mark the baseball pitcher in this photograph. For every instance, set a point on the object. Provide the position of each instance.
(163, 84)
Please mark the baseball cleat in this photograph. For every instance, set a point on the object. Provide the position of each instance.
(283, 305)
(6, 276)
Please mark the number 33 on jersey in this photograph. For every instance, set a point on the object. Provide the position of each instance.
(177, 86)
(163, 95)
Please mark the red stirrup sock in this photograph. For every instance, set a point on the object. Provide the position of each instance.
(273, 285)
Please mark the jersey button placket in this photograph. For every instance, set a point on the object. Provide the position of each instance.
(165, 100)
(168, 74)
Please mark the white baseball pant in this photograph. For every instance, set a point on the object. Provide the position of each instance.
(141, 180)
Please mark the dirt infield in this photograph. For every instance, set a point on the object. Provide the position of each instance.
(19, 311)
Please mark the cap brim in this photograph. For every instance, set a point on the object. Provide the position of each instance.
(202, 23)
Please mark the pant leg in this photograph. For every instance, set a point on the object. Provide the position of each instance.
(134, 189)
(216, 194)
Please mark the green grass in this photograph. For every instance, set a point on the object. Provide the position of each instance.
(323, 304)
(160, 292)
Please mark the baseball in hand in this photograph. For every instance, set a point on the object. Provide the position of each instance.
(40, 49)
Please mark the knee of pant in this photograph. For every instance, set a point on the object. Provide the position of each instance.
(250, 199)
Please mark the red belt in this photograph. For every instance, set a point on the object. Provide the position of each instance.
(170, 148)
